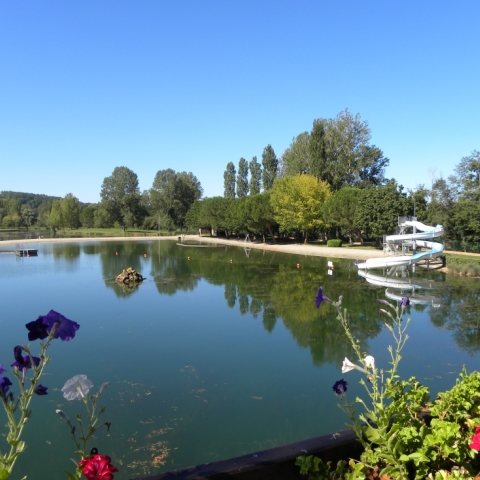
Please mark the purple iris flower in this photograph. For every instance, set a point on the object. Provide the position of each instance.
(37, 329)
(5, 384)
(40, 390)
(340, 387)
(404, 302)
(63, 327)
(23, 362)
(2, 370)
(321, 298)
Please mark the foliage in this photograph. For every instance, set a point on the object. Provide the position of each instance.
(242, 178)
(334, 242)
(403, 435)
(297, 202)
(121, 197)
(255, 176)
(340, 210)
(296, 158)
(258, 215)
(378, 209)
(229, 181)
(337, 151)
(270, 167)
(171, 196)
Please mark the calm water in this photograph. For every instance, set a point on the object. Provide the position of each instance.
(214, 356)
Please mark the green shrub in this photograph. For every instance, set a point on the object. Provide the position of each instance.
(334, 243)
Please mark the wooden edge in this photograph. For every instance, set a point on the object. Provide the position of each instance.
(334, 446)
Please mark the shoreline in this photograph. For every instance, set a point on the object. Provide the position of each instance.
(296, 249)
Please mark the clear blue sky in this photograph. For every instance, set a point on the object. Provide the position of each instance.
(86, 86)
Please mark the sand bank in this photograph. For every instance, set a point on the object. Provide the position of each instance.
(297, 248)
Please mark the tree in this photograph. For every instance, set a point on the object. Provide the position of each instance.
(255, 176)
(258, 214)
(121, 197)
(317, 151)
(467, 175)
(378, 209)
(56, 219)
(297, 203)
(71, 211)
(87, 216)
(242, 179)
(27, 214)
(270, 167)
(337, 151)
(172, 194)
(229, 181)
(339, 210)
(296, 158)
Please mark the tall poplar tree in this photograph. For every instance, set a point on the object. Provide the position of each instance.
(229, 181)
(317, 151)
(270, 167)
(242, 178)
(255, 176)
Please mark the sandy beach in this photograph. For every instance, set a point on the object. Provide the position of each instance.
(297, 248)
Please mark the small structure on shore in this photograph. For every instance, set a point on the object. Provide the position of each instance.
(129, 276)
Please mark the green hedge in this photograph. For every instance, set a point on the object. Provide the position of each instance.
(334, 243)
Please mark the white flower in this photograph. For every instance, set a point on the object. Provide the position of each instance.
(369, 361)
(77, 387)
(348, 365)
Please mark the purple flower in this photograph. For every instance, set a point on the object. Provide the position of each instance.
(321, 298)
(40, 390)
(23, 362)
(37, 329)
(340, 387)
(62, 327)
(2, 370)
(5, 384)
(404, 302)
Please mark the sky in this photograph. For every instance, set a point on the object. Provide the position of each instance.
(87, 86)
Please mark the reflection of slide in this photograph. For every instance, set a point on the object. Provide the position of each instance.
(415, 298)
(420, 239)
(391, 282)
(405, 285)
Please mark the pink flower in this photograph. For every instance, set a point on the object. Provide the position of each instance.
(97, 467)
(475, 445)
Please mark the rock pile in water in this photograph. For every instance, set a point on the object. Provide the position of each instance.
(130, 276)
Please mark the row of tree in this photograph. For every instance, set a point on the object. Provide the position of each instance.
(336, 151)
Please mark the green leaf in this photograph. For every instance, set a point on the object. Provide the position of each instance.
(4, 474)
(372, 434)
(71, 476)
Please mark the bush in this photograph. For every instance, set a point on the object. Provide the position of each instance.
(334, 243)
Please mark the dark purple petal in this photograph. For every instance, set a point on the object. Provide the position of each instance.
(62, 327)
(40, 390)
(2, 370)
(340, 387)
(404, 302)
(5, 385)
(23, 362)
(321, 298)
(37, 329)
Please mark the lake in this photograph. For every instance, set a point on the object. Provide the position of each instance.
(219, 353)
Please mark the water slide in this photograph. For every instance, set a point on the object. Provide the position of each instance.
(421, 238)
